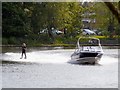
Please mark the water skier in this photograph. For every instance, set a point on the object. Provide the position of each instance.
(23, 51)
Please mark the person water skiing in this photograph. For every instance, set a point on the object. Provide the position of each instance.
(23, 50)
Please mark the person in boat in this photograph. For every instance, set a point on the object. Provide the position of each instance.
(92, 41)
(23, 51)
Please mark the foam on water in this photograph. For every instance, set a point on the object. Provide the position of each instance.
(50, 56)
(108, 60)
(60, 74)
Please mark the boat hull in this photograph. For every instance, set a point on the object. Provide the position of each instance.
(78, 58)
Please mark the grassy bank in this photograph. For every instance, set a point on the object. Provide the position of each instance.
(58, 41)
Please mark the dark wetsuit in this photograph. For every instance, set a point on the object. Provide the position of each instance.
(23, 52)
(23, 49)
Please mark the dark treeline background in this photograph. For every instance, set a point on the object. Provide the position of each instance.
(23, 22)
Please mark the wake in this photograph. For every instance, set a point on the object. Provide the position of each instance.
(49, 56)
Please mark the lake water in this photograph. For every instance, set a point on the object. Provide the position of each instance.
(50, 68)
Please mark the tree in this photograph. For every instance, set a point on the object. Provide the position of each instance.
(14, 20)
(56, 15)
(114, 10)
(27, 19)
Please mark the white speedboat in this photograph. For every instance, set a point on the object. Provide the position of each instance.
(88, 50)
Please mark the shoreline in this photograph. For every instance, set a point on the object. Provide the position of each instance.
(56, 45)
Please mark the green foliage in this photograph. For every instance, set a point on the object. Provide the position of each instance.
(26, 20)
(104, 18)
(4, 41)
(23, 21)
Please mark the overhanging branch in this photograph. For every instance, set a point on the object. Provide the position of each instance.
(114, 10)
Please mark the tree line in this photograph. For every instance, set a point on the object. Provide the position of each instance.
(23, 21)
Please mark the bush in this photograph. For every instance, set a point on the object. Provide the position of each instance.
(4, 41)
(13, 40)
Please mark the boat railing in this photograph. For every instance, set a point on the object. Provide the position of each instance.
(88, 47)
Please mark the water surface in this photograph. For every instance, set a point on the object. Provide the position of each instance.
(50, 68)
